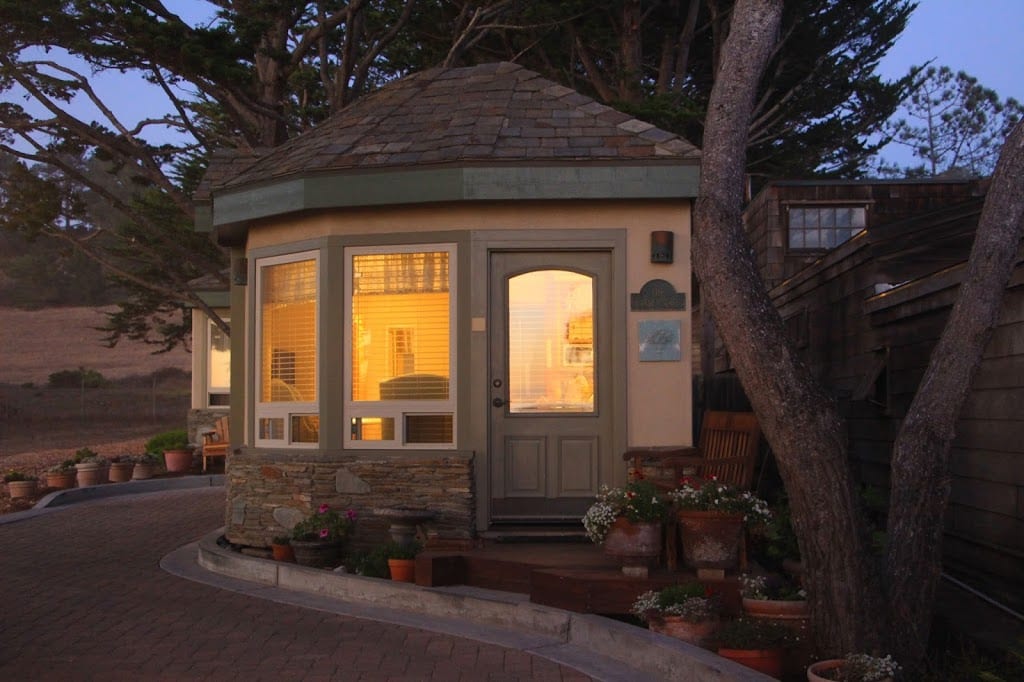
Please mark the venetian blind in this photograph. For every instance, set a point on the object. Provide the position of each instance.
(288, 332)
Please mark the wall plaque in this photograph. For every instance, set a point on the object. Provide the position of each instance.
(660, 341)
(657, 294)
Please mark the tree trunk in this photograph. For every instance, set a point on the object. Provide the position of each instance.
(921, 454)
(799, 420)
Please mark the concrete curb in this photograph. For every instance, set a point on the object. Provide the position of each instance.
(589, 636)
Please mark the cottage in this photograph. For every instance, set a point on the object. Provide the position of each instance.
(467, 293)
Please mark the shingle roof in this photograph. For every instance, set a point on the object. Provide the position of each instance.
(490, 113)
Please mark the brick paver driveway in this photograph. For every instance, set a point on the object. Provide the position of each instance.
(82, 597)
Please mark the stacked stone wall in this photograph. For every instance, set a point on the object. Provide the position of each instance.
(266, 496)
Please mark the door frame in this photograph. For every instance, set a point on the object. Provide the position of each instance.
(484, 243)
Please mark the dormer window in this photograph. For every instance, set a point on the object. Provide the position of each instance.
(819, 228)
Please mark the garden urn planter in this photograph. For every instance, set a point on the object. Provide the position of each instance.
(695, 633)
(60, 480)
(318, 554)
(120, 472)
(710, 539)
(402, 570)
(21, 489)
(89, 473)
(767, 661)
(178, 461)
(636, 545)
(283, 552)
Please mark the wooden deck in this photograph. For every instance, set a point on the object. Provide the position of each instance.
(575, 576)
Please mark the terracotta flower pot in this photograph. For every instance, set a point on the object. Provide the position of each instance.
(143, 470)
(178, 461)
(21, 489)
(768, 661)
(120, 472)
(318, 554)
(60, 480)
(710, 539)
(828, 671)
(636, 545)
(402, 570)
(776, 609)
(283, 552)
(685, 630)
(89, 473)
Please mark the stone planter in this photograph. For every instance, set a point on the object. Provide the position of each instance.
(636, 545)
(120, 472)
(89, 473)
(21, 489)
(685, 630)
(60, 480)
(317, 554)
(710, 539)
(178, 461)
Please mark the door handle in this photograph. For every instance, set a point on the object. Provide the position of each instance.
(498, 402)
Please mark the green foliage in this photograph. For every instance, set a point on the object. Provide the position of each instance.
(329, 525)
(753, 633)
(394, 550)
(13, 475)
(83, 454)
(77, 378)
(953, 124)
(372, 564)
(175, 439)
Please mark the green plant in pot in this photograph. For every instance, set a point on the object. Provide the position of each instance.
(91, 469)
(175, 448)
(146, 465)
(319, 539)
(281, 548)
(683, 611)
(402, 560)
(61, 476)
(854, 668)
(19, 484)
(628, 522)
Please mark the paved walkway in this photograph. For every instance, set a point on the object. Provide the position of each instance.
(82, 597)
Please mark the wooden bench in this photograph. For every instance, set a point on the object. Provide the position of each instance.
(216, 442)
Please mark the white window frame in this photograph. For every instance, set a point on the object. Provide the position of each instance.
(399, 409)
(283, 410)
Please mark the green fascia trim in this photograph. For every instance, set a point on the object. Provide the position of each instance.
(345, 190)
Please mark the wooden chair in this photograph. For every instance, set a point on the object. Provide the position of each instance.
(727, 451)
(216, 442)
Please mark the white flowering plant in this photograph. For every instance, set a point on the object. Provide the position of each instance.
(688, 601)
(639, 501)
(712, 495)
(773, 587)
(866, 668)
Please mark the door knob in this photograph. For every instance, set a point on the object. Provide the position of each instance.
(498, 402)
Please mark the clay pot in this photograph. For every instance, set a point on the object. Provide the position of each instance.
(402, 570)
(21, 489)
(120, 472)
(768, 661)
(710, 539)
(676, 627)
(89, 473)
(636, 545)
(283, 552)
(143, 470)
(178, 461)
(60, 480)
(317, 554)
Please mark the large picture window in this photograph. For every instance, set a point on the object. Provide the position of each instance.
(287, 409)
(399, 346)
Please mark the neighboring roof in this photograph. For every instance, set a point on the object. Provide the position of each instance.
(489, 132)
(481, 113)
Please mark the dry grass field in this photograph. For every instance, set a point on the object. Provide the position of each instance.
(40, 425)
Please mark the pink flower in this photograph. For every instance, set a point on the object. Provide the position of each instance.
(324, 533)
(323, 509)
(351, 514)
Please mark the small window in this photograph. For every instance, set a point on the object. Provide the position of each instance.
(819, 228)
(218, 364)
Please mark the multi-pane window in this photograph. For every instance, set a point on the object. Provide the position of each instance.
(400, 346)
(287, 410)
(218, 363)
(824, 227)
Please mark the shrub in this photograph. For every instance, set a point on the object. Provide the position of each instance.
(176, 439)
(76, 378)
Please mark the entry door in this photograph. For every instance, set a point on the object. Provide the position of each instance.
(550, 382)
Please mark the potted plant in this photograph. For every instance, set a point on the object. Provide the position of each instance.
(61, 476)
(755, 643)
(402, 560)
(773, 596)
(121, 468)
(91, 469)
(19, 484)
(319, 539)
(175, 448)
(711, 518)
(854, 668)
(145, 466)
(628, 521)
(281, 547)
(684, 612)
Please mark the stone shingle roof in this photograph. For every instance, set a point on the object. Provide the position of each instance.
(483, 114)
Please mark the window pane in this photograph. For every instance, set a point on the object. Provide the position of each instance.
(271, 428)
(828, 237)
(551, 342)
(373, 428)
(428, 428)
(305, 428)
(828, 217)
(219, 359)
(811, 217)
(843, 217)
(796, 239)
(288, 347)
(400, 326)
(812, 239)
(859, 218)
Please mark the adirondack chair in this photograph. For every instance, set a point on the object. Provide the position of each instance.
(727, 451)
(216, 442)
